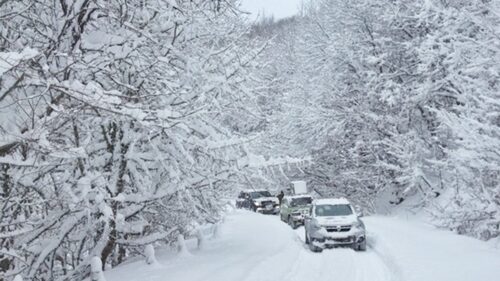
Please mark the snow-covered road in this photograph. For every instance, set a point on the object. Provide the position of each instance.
(254, 247)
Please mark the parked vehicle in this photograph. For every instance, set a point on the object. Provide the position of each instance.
(293, 209)
(261, 201)
(334, 222)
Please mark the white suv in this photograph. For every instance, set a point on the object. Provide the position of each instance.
(334, 222)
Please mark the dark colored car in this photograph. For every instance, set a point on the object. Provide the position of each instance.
(261, 201)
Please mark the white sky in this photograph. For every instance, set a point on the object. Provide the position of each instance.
(279, 8)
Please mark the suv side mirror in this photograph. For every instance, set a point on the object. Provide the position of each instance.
(359, 211)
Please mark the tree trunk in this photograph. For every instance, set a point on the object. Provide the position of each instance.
(120, 187)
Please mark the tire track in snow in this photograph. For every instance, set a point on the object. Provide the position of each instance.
(256, 272)
(289, 259)
(270, 263)
(245, 259)
(214, 273)
(347, 264)
(384, 255)
(301, 268)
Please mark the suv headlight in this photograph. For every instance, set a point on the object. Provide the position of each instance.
(316, 224)
(359, 224)
(257, 203)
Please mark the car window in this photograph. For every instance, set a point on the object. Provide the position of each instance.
(301, 201)
(259, 194)
(333, 210)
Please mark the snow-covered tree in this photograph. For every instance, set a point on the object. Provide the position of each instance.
(117, 135)
(459, 89)
(392, 99)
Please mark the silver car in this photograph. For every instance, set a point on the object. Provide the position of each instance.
(334, 222)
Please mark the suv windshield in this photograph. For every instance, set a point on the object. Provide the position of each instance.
(333, 210)
(258, 194)
(301, 201)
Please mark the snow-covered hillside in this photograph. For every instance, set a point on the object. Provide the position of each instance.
(257, 247)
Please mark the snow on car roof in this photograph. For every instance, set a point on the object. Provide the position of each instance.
(331, 201)
(298, 196)
(254, 190)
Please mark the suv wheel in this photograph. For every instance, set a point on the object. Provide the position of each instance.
(314, 248)
(291, 222)
(361, 246)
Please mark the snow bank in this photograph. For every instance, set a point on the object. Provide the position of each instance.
(149, 252)
(419, 251)
(96, 273)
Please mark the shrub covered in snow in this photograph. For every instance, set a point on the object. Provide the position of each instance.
(149, 252)
(96, 273)
(181, 246)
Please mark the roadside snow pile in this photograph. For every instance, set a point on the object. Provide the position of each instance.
(181, 246)
(462, 213)
(248, 245)
(495, 243)
(418, 251)
(149, 252)
(96, 273)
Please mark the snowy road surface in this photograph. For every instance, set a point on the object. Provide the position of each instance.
(254, 247)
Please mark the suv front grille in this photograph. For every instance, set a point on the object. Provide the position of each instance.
(342, 240)
(264, 203)
(338, 228)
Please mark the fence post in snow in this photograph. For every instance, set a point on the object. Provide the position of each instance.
(96, 273)
(181, 246)
(200, 239)
(215, 230)
(149, 252)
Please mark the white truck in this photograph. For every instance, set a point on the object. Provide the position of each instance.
(334, 222)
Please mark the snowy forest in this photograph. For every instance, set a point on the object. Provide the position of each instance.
(130, 122)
